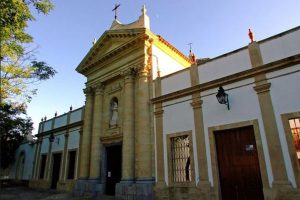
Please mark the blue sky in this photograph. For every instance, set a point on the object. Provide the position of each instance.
(214, 27)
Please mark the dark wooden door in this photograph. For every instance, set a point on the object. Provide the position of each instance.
(238, 164)
(55, 170)
(113, 172)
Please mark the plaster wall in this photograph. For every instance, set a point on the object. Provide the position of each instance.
(73, 141)
(280, 47)
(59, 142)
(164, 62)
(45, 145)
(47, 125)
(175, 82)
(76, 116)
(29, 152)
(60, 121)
(178, 117)
(224, 65)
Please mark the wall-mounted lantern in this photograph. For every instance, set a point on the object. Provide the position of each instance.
(223, 97)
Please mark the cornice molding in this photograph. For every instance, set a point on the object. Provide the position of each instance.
(250, 73)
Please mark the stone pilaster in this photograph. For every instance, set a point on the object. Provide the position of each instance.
(96, 147)
(128, 128)
(262, 88)
(159, 135)
(86, 136)
(160, 190)
(37, 159)
(65, 156)
(203, 184)
(48, 163)
(143, 155)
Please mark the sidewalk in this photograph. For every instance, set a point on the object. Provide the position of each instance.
(24, 193)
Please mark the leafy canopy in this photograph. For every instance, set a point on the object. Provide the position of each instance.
(19, 70)
(19, 67)
(13, 126)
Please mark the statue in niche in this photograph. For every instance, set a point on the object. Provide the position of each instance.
(114, 113)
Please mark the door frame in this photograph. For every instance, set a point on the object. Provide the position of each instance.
(260, 153)
(104, 166)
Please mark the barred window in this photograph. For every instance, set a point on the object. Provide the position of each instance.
(295, 130)
(181, 159)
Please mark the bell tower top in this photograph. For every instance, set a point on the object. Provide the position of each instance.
(142, 22)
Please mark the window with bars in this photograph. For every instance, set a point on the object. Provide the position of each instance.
(181, 159)
(295, 130)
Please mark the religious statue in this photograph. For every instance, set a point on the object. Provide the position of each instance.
(251, 36)
(114, 114)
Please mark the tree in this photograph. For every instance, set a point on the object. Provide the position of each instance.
(14, 125)
(19, 67)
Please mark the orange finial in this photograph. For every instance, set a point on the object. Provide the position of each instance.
(251, 36)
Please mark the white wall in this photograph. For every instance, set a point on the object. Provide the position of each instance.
(281, 47)
(167, 65)
(60, 121)
(47, 125)
(179, 116)
(175, 82)
(224, 66)
(45, 145)
(285, 99)
(73, 141)
(59, 142)
(29, 152)
(76, 116)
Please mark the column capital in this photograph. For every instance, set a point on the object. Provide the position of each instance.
(99, 88)
(88, 91)
(197, 103)
(129, 74)
(66, 134)
(143, 71)
(262, 88)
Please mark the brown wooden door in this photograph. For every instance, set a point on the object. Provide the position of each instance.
(238, 164)
(113, 172)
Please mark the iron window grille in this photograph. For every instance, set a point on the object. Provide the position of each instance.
(181, 159)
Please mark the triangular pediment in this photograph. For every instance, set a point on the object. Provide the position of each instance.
(109, 42)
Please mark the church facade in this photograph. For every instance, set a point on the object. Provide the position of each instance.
(160, 125)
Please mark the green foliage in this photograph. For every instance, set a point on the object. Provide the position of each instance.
(19, 68)
(14, 125)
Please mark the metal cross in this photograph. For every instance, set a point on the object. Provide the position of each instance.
(115, 9)
(190, 44)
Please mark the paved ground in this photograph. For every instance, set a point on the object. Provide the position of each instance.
(24, 193)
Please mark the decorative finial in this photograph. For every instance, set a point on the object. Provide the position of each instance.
(55, 115)
(144, 10)
(71, 108)
(251, 35)
(94, 41)
(42, 119)
(115, 9)
(45, 118)
(191, 54)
